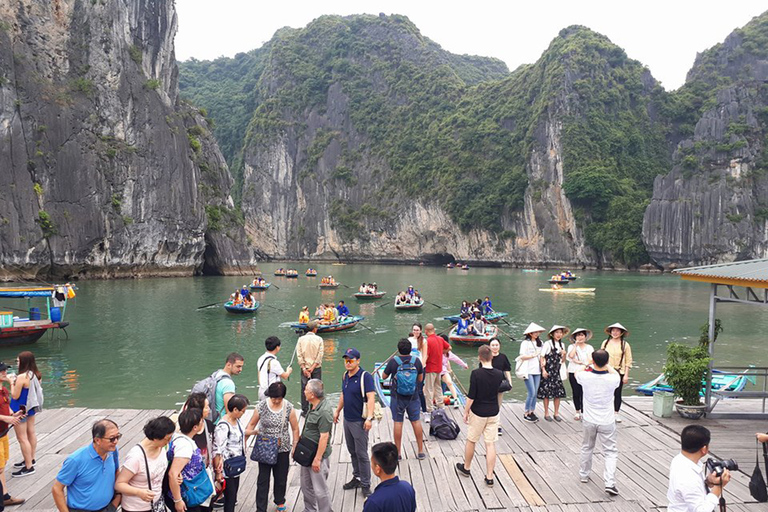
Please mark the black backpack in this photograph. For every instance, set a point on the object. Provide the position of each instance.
(443, 427)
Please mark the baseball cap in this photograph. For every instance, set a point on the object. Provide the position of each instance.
(351, 353)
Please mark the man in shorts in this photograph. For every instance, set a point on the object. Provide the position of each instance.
(7, 420)
(482, 413)
(412, 373)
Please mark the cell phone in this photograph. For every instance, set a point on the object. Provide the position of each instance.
(23, 409)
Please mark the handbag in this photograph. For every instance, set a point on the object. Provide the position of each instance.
(377, 412)
(196, 491)
(158, 505)
(505, 386)
(234, 466)
(520, 372)
(266, 448)
(757, 488)
(306, 450)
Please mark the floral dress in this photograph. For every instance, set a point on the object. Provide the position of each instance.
(552, 386)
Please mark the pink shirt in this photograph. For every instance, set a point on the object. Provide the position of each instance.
(447, 362)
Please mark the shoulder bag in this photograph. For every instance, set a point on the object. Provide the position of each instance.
(198, 489)
(757, 488)
(234, 466)
(306, 449)
(158, 505)
(377, 412)
(520, 365)
(265, 448)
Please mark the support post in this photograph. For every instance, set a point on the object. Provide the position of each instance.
(711, 336)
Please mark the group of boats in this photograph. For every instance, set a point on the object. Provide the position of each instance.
(462, 266)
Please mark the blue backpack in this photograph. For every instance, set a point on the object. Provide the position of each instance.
(406, 376)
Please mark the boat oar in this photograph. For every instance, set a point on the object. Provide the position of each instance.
(273, 307)
(436, 305)
(384, 364)
(292, 356)
(382, 305)
(214, 304)
(363, 325)
(345, 286)
(456, 379)
(273, 284)
(505, 332)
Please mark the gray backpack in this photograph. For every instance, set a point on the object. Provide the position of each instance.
(207, 386)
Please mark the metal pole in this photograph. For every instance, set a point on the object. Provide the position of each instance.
(711, 336)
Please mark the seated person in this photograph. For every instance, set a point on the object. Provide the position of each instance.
(304, 315)
(478, 325)
(363, 288)
(410, 292)
(329, 316)
(238, 299)
(374, 287)
(463, 326)
(342, 309)
(320, 311)
(464, 307)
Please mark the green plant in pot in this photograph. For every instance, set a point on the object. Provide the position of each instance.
(685, 370)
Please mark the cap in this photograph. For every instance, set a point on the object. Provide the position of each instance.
(351, 353)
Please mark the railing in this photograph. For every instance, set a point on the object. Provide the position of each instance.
(758, 378)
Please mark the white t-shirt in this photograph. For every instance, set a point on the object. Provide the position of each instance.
(686, 490)
(135, 463)
(582, 354)
(598, 396)
(183, 446)
(531, 366)
(269, 372)
(415, 348)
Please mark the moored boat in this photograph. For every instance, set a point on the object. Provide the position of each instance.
(369, 296)
(450, 265)
(568, 290)
(407, 306)
(465, 267)
(473, 340)
(240, 309)
(383, 388)
(345, 323)
(720, 382)
(23, 331)
(491, 317)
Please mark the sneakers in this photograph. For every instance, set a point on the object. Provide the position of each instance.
(421, 456)
(366, 492)
(530, 418)
(499, 430)
(10, 501)
(577, 417)
(456, 404)
(613, 491)
(584, 479)
(352, 484)
(21, 464)
(618, 418)
(24, 472)
(219, 503)
(461, 469)
(533, 415)
(427, 417)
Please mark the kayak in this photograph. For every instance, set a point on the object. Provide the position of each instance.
(240, 309)
(383, 387)
(369, 296)
(720, 382)
(407, 306)
(491, 317)
(472, 340)
(260, 286)
(344, 324)
(568, 290)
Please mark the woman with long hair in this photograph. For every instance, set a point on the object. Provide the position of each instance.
(579, 356)
(26, 395)
(530, 351)
(419, 350)
(552, 360)
(620, 358)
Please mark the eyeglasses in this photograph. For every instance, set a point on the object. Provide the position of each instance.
(113, 439)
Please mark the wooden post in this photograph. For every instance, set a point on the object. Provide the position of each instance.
(711, 336)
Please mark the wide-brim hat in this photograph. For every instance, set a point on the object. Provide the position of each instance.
(533, 327)
(579, 330)
(555, 327)
(617, 325)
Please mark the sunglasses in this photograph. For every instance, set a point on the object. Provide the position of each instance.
(113, 439)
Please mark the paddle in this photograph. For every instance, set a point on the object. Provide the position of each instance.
(214, 304)
(384, 364)
(382, 305)
(345, 286)
(363, 325)
(504, 332)
(457, 381)
(14, 309)
(292, 356)
(436, 305)
(273, 284)
(273, 307)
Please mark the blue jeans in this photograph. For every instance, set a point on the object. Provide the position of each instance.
(532, 386)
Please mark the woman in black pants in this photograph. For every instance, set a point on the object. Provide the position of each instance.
(579, 356)
(275, 418)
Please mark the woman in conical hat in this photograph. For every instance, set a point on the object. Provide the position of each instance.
(620, 358)
(530, 351)
(552, 358)
(579, 356)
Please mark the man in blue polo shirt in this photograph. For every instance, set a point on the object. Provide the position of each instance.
(357, 419)
(392, 494)
(89, 473)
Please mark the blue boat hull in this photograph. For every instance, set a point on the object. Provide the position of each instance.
(241, 310)
(719, 379)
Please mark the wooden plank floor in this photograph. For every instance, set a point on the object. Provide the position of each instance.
(537, 468)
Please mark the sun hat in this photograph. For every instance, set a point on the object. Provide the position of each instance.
(617, 325)
(533, 327)
(580, 329)
(555, 327)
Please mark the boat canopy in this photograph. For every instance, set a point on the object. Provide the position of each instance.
(37, 291)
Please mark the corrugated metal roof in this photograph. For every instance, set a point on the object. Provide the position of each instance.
(743, 273)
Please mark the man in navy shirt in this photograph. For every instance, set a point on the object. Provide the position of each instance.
(357, 423)
(342, 309)
(392, 494)
(89, 473)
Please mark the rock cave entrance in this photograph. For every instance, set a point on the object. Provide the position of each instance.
(211, 261)
(441, 258)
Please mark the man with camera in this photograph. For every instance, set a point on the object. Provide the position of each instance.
(692, 486)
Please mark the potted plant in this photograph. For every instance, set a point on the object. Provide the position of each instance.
(685, 370)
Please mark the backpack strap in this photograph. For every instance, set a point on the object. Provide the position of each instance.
(266, 360)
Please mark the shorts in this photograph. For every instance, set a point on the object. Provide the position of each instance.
(4, 451)
(30, 412)
(402, 404)
(488, 427)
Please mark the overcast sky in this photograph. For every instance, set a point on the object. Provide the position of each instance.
(663, 35)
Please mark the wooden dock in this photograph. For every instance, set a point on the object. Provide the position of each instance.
(537, 468)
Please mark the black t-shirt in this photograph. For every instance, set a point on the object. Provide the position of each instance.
(501, 362)
(205, 442)
(393, 365)
(484, 390)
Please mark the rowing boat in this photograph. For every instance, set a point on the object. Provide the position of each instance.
(22, 331)
(532, 270)
(369, 296)
(568, 290)
(491, 317)
(329, 285)
(720, 382)
(345, 323)
(473, 340)
(240, 309)
(383, 388)
(311, 273)
(407, 306)
(558, 281)
(260, 286)
(279, 272)
(292, 273)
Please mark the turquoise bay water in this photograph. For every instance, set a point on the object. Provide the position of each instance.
(142, 343)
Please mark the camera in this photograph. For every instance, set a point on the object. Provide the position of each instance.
(718, 466)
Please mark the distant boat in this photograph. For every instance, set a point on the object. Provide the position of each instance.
(331, 286)
(562, 281)
(465, 267)
(450, 265)
(22, 331)
(532, 270)
(369, 296)
(279, 272)
(292, 273)
(345, 323)
(239, 309)
(720, 382)
(568, 290)
(310, 273)
(491, 317)
(264, 286)
(407, 306)
(472, 340)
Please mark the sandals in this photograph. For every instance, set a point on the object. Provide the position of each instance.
(558, 418)
(281, 508)
(548, 418)
(488, 481)
(421, 456)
